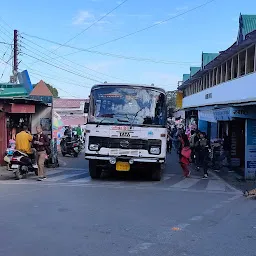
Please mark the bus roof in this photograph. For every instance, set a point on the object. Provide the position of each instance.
(128, 85)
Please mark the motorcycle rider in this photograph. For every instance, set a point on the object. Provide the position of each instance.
(23, 142)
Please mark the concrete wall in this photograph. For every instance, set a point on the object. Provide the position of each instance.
(41, 112)
(238, 90)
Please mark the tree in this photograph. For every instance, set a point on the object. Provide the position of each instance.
(171, 102)
(53, 90)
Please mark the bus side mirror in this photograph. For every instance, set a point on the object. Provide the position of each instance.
(86, 107)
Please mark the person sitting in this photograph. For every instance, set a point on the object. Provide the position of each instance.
(23, 142)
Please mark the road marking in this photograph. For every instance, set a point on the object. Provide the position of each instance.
(216, 185)
(185, 183)
(63, 177)
(83, 180)
(141, 247)
(196, 218)
(229, 186)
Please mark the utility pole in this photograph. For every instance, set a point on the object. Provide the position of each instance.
(14, 77)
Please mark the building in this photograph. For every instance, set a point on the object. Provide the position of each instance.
(221, 95)
(71, 111)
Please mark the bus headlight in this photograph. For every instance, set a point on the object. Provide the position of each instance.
(154, 150)
(94, 147)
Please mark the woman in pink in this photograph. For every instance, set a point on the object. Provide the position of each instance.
(185, 157)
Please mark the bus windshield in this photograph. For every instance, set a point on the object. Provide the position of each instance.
(127, 105)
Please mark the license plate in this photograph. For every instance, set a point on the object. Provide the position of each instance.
(122, 166)
(76, 149)
(14, 166)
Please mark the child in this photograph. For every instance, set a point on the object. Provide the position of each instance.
(185, 158)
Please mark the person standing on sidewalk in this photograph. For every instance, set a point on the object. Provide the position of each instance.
(204, 153)
(41, 143)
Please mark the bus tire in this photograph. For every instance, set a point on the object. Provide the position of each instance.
(95, 171)
(157, 173)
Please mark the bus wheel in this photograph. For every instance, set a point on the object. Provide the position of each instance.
(157, 173)
(95, 171)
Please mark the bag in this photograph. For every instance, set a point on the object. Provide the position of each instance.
(186, 152)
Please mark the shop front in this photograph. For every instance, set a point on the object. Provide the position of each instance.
(15, 113)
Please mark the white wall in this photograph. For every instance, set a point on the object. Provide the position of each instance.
(41, 112)
(238, 90)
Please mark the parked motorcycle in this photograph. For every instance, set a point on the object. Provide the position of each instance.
(21, 164)
(69, 146)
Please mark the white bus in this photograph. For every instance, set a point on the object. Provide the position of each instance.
(126, 129)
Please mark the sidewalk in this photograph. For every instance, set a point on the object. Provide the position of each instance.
(232, 178)
(6, 175)
(236, 180)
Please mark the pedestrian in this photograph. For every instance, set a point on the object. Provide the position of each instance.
(41, 144)
(227, 148)
(192, 141)
(185, 157)
(169, 143)
(204, 153)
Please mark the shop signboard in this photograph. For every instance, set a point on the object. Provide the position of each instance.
(250, 149)
(223, 114)
(206, 115)
(22, 109)
(239, 112)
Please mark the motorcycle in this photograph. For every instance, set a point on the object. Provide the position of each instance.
(69, 146)
(8, 156)
(21, 164)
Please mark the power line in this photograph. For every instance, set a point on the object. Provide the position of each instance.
(42, 57)
(94, 23)
(143, 29)
(153, 25)
(109, 54)
(69, 71)
(66, 81)
(87, 28)
(80, 65)
(59, 88)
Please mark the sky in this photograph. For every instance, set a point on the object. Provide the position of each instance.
(178, 42)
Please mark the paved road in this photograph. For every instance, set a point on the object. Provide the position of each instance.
(69, 214)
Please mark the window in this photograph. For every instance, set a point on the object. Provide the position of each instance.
(242, 63)
(218, 75)
(223, 75)
(229, 69)
(214, 76)
(250, 59)
(235, 67)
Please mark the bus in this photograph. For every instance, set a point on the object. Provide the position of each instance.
(126, 130)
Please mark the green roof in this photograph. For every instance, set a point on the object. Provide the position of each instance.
(247, 24)
(186, 77)
(207, 58)
(194, 70)
(13, 92)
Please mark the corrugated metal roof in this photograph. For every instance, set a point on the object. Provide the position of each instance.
(247, 24)
(185, 77)
(194, 70)
(207, 58)
(68, 103)
(223, 56)
(12, 92)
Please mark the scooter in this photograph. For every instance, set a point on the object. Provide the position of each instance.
(69, 147)
(21, 164)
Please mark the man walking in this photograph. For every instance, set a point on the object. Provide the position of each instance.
(41, 142)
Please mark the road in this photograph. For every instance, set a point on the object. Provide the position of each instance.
(69, 214)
